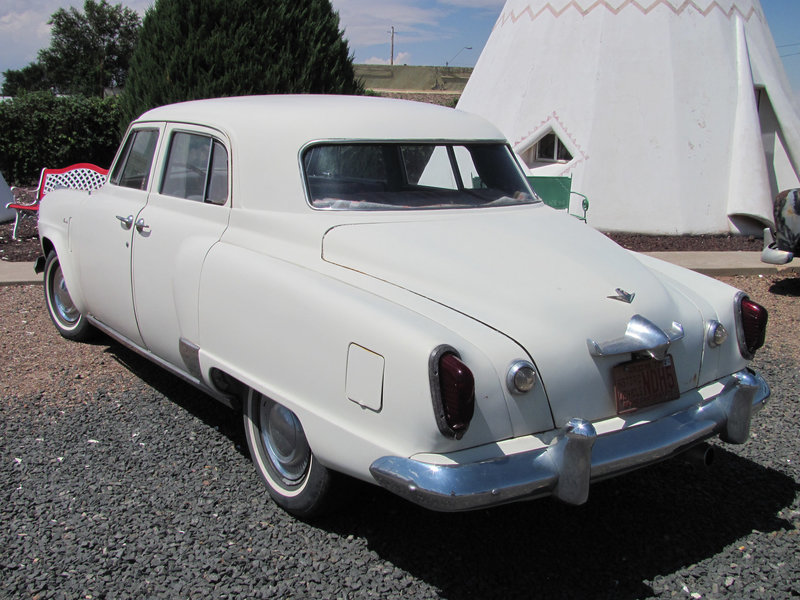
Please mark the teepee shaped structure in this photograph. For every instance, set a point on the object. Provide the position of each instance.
(673, 116)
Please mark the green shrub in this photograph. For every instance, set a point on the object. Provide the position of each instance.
(39, 130)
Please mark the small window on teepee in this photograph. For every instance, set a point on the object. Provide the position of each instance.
(551, 148)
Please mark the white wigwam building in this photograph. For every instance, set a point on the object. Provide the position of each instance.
(673, 116)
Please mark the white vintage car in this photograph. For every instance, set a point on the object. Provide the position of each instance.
(374, 284)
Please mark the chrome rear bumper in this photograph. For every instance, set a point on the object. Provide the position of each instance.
(577, 456)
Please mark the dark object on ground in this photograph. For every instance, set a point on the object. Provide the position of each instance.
(787, 207)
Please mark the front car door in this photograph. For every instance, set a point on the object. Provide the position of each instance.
(103, 235)
(186, 213)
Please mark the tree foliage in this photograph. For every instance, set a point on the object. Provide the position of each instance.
(89, 51)
(191, 49)
(40, 130)
(31, 79)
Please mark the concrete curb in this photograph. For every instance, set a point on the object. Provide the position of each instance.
(725, 263)
(18, 273)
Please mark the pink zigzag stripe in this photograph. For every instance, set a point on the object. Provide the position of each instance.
(554, 117)
(645, 10)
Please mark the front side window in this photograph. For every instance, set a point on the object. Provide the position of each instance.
(133, 167)
(403, 176)
(196, 169)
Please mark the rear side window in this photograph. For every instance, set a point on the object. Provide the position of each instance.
(133, 167)
(196, 169)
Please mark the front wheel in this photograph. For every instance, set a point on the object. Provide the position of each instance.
(278, 446)
(62, 310)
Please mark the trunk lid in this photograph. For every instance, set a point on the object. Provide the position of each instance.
(539, 277)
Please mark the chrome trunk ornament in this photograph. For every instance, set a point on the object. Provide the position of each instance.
(641, 335)
(622, 296)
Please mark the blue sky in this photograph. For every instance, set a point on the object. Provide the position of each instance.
(427, 32)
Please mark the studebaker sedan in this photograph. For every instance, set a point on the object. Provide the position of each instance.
(375, 286)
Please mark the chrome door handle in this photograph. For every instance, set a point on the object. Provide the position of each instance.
(141, 226)
(127, 222)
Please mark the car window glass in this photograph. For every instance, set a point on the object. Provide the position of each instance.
(218, 178)
(133, 167)
(196, 169)
(408, 176)
(433, 164)
(467, 171)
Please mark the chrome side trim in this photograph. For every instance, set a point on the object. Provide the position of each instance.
(641, 335)
(577, 456)
(229, 401)
(190, 354)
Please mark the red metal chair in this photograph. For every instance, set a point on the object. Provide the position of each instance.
(81, 176)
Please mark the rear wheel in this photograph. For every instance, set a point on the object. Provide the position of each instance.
(281, 454)
(62, 310)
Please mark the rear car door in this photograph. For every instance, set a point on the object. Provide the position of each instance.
(186, 213)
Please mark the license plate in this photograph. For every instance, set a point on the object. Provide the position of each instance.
(644, 382)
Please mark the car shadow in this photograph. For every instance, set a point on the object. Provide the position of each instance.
(200, 405)
(786, 287)
(635, 528)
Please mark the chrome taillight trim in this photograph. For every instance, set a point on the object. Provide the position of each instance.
(740, 335)
(436, 392)
(737, 312)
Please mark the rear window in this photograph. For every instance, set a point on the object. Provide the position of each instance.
(402, 176)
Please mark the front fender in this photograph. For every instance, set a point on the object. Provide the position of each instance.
(55, 223)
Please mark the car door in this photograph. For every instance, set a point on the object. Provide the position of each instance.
(102, 236)
(186, 213)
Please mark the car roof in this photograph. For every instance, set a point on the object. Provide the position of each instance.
(268, 133)
(299, 119)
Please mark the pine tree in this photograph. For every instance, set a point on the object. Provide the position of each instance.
(191, 49)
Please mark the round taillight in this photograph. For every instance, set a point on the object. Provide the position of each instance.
(753, 323)
(453, 392)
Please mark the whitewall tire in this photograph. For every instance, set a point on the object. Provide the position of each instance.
(282, 456)
(62, 310)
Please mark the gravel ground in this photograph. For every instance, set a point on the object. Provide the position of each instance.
(119, 481)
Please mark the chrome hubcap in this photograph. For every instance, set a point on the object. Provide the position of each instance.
(285, 442)
(61, 300)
